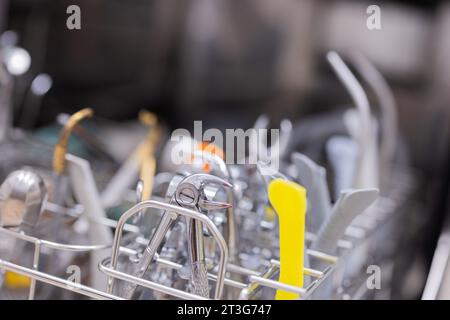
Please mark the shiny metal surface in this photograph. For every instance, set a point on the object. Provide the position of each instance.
(22, 196)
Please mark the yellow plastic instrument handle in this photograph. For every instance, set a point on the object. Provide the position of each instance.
(289, 201)
(147, 175)
(59, 153)
(148, 162)
(16, 281)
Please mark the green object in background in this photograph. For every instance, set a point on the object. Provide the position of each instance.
(50, 134)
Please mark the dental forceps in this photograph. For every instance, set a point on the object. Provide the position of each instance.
(230, 231)
(188, 194)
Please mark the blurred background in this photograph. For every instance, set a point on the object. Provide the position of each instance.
(226, 62)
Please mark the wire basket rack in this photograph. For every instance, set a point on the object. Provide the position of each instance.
(222, 274)
(340, 276)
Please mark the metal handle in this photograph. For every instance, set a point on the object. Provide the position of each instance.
(59, 154)
(148, 162)
(199, 274)
(164, 225)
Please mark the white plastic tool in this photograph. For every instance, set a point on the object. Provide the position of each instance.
(313, 178)
(366, 169)
(86, 193)
(388, 108)
(342, 153)
(350, 204)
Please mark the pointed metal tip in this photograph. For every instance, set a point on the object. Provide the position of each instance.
(219, 181)
(213, 205)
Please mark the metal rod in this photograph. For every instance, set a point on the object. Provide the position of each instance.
(51, 244)
(112, 274)
(58, 282)
(277, 285)
(37, 252)
(308, 271)
(176, 266)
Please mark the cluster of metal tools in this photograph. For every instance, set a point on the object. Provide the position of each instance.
(206, 228)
